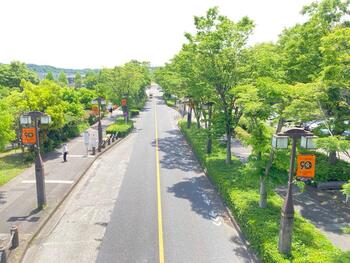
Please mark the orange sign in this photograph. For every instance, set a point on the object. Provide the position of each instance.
(28, 136)
(123, 102)
(306, 165)
(95, 109)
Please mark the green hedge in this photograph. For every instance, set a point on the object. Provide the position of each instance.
(134, 112)
(120, 127)
(238, 184)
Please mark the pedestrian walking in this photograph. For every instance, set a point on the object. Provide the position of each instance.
(65, 152)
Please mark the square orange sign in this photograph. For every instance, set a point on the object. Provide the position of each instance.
(28, 135)
(306, 165)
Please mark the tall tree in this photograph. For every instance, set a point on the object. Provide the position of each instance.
(62, 79)
(49, 76)
(219, 43)
(78, 82)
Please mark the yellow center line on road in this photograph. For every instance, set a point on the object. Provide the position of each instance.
(159, 200)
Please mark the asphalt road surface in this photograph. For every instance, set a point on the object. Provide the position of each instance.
(146, 200)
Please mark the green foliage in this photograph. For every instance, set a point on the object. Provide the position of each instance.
(49, 76)
(332, 144)
(11, 75)
(78, 81)
(340, 171)
(120, 127)
(62, 79)
(346, 190)
(238, 185)
(6, 119)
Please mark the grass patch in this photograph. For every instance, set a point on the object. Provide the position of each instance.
(120, 127)
(12, 165)
(238, 185)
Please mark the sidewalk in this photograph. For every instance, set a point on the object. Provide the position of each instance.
(325, 209)
(18, 197)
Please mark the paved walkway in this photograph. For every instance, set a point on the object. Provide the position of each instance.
(325, 209)
(18, 204)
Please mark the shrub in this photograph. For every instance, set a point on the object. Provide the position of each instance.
(134, 112)
(120, 127)
(238, 185)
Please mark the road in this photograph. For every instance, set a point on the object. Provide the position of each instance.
(146, 200)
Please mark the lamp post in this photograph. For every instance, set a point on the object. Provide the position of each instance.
(32, 137)
(287, 212)
(100, 101)
(209, 106)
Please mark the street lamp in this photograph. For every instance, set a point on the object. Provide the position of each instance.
(100, 101)
(209, 106)
(32, 136)
(280, 141)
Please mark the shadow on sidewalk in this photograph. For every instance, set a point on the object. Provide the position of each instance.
(2, 198)
(27, 218)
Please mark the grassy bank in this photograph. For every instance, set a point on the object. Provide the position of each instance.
(238, 185)
(11, 164)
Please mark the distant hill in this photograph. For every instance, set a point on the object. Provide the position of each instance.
(42, 70)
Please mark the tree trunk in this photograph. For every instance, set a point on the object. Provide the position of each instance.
(263, 192)
(198, 122)
(189, 117)
(228, 145)
(332, 158)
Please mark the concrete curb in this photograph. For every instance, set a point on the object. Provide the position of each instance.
(231, 216)
(49, 215)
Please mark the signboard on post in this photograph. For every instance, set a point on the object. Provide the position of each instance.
(29, 135)
(123, 102)
(95, 110)
(306, 165)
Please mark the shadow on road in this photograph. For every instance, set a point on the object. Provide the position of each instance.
(202, 196)
(176, 154)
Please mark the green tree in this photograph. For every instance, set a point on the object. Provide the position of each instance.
(12, 74)
(91, 79)
(78, 82)
(219, 44)
(62, 79)
(49, 76)
(6, 125)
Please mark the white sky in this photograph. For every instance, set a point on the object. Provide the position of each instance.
(105, 33)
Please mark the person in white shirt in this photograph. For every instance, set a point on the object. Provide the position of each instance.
(65, 152)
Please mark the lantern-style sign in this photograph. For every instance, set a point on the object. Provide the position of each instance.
(45, 119)
(280, 142)
(306, 165)
(308, 142)
(123, 102)
(25, 119)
